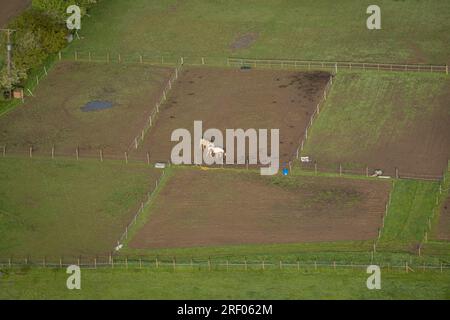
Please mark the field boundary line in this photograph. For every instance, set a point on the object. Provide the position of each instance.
(315, 114)
(209, 265)
(152, 117)
(143, 205)
(317, 64)
(441, 197)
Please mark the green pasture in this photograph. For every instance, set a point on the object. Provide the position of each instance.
(412, 32)
(237, 284)
(54, 208)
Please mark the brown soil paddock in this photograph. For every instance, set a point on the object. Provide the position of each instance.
(229, 207)
(11, 8)
(233, 98)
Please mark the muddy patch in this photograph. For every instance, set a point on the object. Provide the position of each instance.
(244, 41)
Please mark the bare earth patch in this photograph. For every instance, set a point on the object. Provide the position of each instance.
(244, 41)
(232, 99)
(217, 207)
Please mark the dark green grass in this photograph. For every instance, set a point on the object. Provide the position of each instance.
(66, 208)
(236, 284)
(411, 207)
(412, 31)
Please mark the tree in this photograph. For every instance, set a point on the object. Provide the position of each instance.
(8, 82)
(37, 36)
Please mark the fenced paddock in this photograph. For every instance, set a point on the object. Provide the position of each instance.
(54, 115)
(277, 210)
(378, 120)
(226, 98)
(57, 207)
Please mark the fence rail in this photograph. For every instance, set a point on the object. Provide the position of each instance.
(101, 155)
(172, 59)
(209, 265)
(312, 64)
(316, 112)
(152, 117)
(143, 205)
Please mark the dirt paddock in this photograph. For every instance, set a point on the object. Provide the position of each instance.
(54, 116)
(228, 207)
(234, 98)
(9, 9)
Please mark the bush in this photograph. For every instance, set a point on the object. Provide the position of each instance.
(37, 36)
(57, 8)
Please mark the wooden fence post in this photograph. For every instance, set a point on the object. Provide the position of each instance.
(77, 153)
(31, 152)
(148, 158)
(126, 157)
(101, 155)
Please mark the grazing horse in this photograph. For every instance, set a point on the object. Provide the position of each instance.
(212, 151)
(206, 144)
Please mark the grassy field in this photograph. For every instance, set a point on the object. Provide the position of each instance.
(192, 284)
(66, 208)
(412, 204)
(384, 120)
(303, 29)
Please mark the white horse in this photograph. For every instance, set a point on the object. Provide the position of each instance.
(212, 151)
(206, 144)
